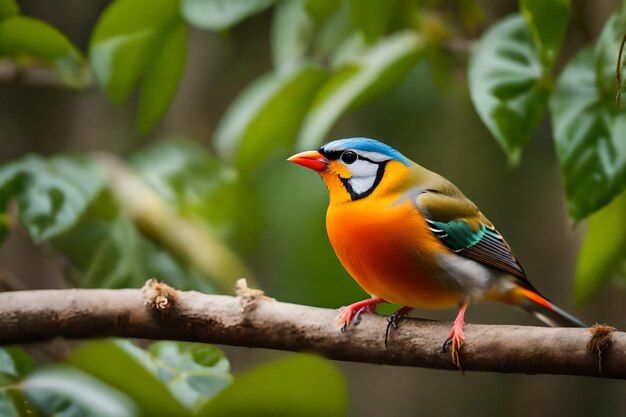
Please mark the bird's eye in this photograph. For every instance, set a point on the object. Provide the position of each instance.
(348, 157)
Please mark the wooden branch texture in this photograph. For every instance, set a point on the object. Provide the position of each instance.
(254, 320)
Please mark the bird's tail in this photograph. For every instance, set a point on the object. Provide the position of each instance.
(544, 310)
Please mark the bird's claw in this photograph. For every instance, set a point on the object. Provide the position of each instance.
(392, 321)
(357, 316)
(454, 343)
(351, 317)
(446, 345)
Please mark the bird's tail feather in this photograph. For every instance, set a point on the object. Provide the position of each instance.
(545, 311)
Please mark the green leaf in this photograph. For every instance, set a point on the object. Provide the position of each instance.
(7, 405)
(220, 14)
(372, 16)
(193, 372)
(130, 369)
(377, 70)
(547, 21)
(321, 9)
(607, 52)
(589, 132)
(163, 380)
(103, 248)
(333, 33)
(51, 194)
(603, 249)
(292, 33)
(24, 38)
(8, 8)
(256, 125)
(508, 85)
(62, 390)
(301, 385)
(162, 78)
(127, 43)
(14, 362)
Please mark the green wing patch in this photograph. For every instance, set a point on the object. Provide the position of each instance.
(457, 234)
(483, 244)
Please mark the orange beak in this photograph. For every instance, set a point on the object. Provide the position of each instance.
(310, 159)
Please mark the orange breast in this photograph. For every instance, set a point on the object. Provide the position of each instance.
(387, 248)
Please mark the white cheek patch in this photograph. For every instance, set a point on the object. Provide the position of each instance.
(363, 175)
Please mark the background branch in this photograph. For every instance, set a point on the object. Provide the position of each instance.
(253, 320)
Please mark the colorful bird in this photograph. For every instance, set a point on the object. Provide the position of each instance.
(408, 236)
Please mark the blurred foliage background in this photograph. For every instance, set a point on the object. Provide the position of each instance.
(146, 138)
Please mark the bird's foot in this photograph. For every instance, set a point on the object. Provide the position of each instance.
(454, 341)
(456, 338)
(392, 321)
(351, 315)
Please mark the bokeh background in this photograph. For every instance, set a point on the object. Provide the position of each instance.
(429, 119)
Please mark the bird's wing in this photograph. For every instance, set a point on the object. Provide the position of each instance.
(460, 226)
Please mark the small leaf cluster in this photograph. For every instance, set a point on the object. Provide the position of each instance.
(117, 378)
(513, 85)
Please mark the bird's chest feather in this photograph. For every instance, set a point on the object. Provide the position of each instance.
(388, 249)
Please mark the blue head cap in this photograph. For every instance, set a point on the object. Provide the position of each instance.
(365, 145)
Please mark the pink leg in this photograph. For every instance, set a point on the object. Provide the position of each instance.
(351, 314)
(456, 337)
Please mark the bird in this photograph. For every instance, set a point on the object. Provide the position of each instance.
(409, 236)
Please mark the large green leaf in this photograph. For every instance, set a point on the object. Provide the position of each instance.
(220, 14)
(171, 378)
(64, 391)
(193, 372)
(332, 34)
(129, 369)
(589, 131)
(8, 8)
(547, 21)
(372, 16)
(301, 385)
(162, 77)
(24, 38)
(266, 116)
(103, 248)
(358, 80)
(508, 84)
(51, 194)
(140, 39)
(603, 250)
(607, 51)
(292, 33)
(321, 9)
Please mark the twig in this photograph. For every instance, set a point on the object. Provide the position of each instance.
(618, 71)
(28, 316)
(38, 76)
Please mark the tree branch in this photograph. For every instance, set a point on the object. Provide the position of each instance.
(39, 76)
(253, 320)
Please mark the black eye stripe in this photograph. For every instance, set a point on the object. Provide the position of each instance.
(334, 155)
